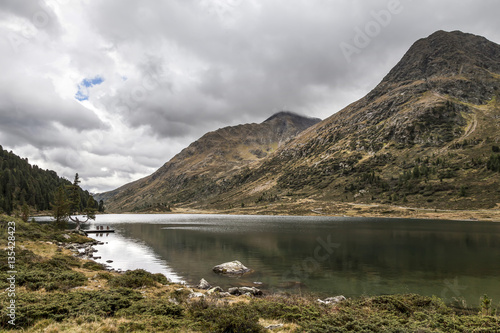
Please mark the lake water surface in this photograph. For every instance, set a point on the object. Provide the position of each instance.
(323, 255)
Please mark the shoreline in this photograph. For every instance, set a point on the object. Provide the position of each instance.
(349, 210)
(311, 207)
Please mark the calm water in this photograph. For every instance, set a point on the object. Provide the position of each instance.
(323, 255)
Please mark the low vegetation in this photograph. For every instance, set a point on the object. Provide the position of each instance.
(56, 292)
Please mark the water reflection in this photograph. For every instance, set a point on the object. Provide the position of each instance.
(123, 253)
(330, 256)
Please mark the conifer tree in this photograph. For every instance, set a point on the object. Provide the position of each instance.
(75, 205)
(60, 208)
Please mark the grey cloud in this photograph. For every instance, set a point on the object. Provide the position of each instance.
(273, 56)
(33, 117)
(176, 69)
(36, 13)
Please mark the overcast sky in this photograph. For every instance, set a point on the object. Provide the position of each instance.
(114, 89)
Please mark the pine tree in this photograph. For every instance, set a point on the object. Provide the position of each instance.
(101, 206)
(75, 204)
(74, 196)
(60, 208)
(25, 212)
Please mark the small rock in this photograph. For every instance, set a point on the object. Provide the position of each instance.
(234, 291)
(273, 327)
(235, 268)
(66, 236)
(192, 295)
(251, 290)
(332, 300)
(204, 284)
(215, 290)
(224, 294)
(109, 261)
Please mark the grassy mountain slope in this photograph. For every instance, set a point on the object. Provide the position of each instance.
(201, 169)
(426, 136)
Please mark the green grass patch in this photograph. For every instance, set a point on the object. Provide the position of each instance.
(32, 307)
(35, 272)
(136, 279)
(93, 266)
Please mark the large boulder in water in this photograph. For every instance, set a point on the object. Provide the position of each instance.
(234, 268)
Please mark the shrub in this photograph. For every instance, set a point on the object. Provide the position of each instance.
(58, 306)
(93, 266)
(136, 279)
(36, 273)
(235, 318)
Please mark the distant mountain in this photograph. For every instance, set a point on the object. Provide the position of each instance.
(201, 169)
(21, 182)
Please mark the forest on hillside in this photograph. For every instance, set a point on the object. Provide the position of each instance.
(24, 184)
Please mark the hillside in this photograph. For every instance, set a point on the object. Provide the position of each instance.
(426, 136)
(21, 182)
(201, 169)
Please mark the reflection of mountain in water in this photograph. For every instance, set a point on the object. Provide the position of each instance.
(366, 257)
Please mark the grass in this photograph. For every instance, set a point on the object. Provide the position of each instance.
(56, 292)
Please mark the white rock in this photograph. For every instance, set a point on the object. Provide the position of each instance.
(332, 300)
(231, 268)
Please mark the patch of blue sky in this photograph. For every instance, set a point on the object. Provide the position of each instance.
(83, 88)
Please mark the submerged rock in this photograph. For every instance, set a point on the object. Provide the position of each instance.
(234, 268)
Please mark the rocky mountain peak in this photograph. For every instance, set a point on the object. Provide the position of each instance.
(284, 117)
(446, 54)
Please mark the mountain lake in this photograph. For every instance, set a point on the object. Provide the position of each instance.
(458, 261)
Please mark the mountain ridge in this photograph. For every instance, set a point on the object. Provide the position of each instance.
(424, 136)
(215, 155)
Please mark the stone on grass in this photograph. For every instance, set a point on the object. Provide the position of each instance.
(332, 300)
(214, 290)
(204, 284)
